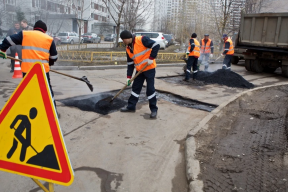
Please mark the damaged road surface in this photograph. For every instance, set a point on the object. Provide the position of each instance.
(245, 147)
(91, 102)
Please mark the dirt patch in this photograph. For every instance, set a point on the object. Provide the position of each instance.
(243, 148)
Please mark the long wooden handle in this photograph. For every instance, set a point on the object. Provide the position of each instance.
(139, 72)
(14, 58)
(50, 69)
(66, 75)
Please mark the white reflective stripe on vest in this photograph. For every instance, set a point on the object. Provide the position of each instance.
(141, 53)
(154, 45)
(35, 48)
(195, 71)
(151, 96)
(144, 61)
(34, 60)
(130, 63)
(53, 57)
(10, 41)
(134, 94)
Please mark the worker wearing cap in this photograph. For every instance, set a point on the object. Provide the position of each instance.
(193, 53)
(140, 51)
(36, 47)
(228, 52)
(206, 50)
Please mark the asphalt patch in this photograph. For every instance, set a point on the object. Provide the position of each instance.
(100, 102)
(92, 103)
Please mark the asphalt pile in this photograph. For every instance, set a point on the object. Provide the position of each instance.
(224, 77)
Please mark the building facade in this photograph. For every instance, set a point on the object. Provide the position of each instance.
(61, 15)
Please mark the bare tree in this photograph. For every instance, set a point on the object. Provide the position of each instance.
(222, 16)
(256, 6)
(116, 9)
(136, 13)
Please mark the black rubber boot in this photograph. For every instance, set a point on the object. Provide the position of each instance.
(125, 109)
(153, 115)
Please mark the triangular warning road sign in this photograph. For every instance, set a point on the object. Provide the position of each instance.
(31, 140)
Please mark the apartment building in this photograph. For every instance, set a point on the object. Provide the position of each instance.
(61, 15)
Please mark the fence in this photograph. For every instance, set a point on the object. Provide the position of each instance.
(83, 46)
(108, 57)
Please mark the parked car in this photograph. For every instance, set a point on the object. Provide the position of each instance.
(110, 37)
(91, 38)
(69, 37)
(156, 36)
(169, 38)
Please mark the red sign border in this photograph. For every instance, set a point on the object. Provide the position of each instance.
(65, 177)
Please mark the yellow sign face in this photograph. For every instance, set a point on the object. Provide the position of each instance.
(31, 141)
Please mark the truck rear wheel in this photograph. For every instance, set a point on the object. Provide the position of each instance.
(256, 66)
(285, 70)
(248, 64)
(235, 60)
(270, 69)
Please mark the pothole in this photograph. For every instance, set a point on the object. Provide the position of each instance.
(89, 102)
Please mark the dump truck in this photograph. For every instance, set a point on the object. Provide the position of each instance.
(263, 41)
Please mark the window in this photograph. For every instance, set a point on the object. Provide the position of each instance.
(95, 17)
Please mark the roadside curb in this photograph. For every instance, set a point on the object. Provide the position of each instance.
(103, 67)
(192, 164)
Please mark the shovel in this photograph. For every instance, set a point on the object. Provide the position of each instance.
(84, 78)
(104, 103)
(216, 59)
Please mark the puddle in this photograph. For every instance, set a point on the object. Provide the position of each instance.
(90, 102)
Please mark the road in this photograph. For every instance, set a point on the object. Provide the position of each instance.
(120, 151)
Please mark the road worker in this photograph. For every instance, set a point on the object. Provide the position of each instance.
(141, 50)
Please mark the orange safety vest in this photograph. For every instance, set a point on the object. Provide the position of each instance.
(35, 47)
(140, 55)
(206, 48)
(196, 50)
(231, 48)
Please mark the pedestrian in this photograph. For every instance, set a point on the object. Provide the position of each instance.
(193, 53)
(15, 48)
(37, 47)
(141, 50)
(206, 50)
(25, 26)
(228, 52)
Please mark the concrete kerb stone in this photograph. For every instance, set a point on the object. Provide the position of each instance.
(102, 67)
(192, 164)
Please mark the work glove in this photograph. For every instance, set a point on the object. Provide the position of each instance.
(150, 61)
(128, 82)
(187, 53)
(222, 54)
(211, 55)
(3, 54)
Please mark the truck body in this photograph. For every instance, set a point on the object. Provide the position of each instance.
(263, 41)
